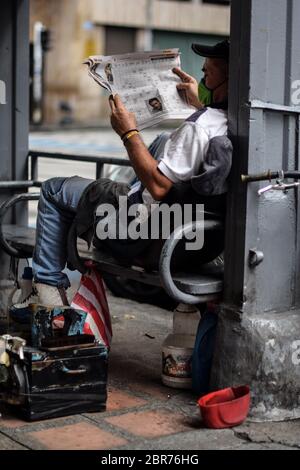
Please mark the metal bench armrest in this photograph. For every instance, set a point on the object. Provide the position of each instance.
(10, 250)
(166, 256)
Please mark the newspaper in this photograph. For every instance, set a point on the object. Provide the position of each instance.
(145, 83)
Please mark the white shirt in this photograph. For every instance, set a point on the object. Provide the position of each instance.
(185, 149)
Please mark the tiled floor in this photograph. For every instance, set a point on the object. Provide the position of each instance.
(142, 413)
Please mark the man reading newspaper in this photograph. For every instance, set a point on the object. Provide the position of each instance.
(171, 159)
(145, 83)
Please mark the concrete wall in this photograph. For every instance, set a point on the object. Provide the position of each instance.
(169, 15)
(65, 76)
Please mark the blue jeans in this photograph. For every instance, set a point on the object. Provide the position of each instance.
(56, 210)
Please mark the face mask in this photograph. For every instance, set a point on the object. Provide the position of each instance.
(204, 94)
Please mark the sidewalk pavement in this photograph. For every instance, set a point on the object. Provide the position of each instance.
(100, 142)
(141, 412)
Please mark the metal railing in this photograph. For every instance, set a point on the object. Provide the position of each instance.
(33, 182)
(100, 161)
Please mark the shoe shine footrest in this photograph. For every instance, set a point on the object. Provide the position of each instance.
(36, 323)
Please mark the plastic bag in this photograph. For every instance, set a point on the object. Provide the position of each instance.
(203, 352)
(91, 298)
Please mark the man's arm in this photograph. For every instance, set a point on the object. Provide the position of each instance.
(145, 166)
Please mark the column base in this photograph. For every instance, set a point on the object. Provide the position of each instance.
(263, 351)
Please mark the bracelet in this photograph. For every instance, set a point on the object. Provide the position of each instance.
(129, 135)
(127, 132)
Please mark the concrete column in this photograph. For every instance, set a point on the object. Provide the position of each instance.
(14, 107)
(258, 340)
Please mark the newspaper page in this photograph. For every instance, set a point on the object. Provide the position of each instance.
(145, 83)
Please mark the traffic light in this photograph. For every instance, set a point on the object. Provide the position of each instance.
(46, 40)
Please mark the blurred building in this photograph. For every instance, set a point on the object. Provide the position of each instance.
(80, 28)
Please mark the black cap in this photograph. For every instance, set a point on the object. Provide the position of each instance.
(218, 51)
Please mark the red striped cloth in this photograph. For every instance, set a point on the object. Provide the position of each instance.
(91, 298)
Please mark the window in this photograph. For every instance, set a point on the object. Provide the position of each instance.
(190, 62)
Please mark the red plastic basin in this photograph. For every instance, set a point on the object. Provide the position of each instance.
(225, 408)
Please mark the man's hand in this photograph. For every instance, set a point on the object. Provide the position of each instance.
(189, 85)
(121, 119)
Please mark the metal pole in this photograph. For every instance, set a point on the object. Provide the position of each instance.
(14, 111)
(148, 41)
(38, 74)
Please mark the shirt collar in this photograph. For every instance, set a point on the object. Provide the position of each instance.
(220, 105)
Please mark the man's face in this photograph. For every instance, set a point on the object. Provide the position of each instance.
(215, 72)
(156, 104)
